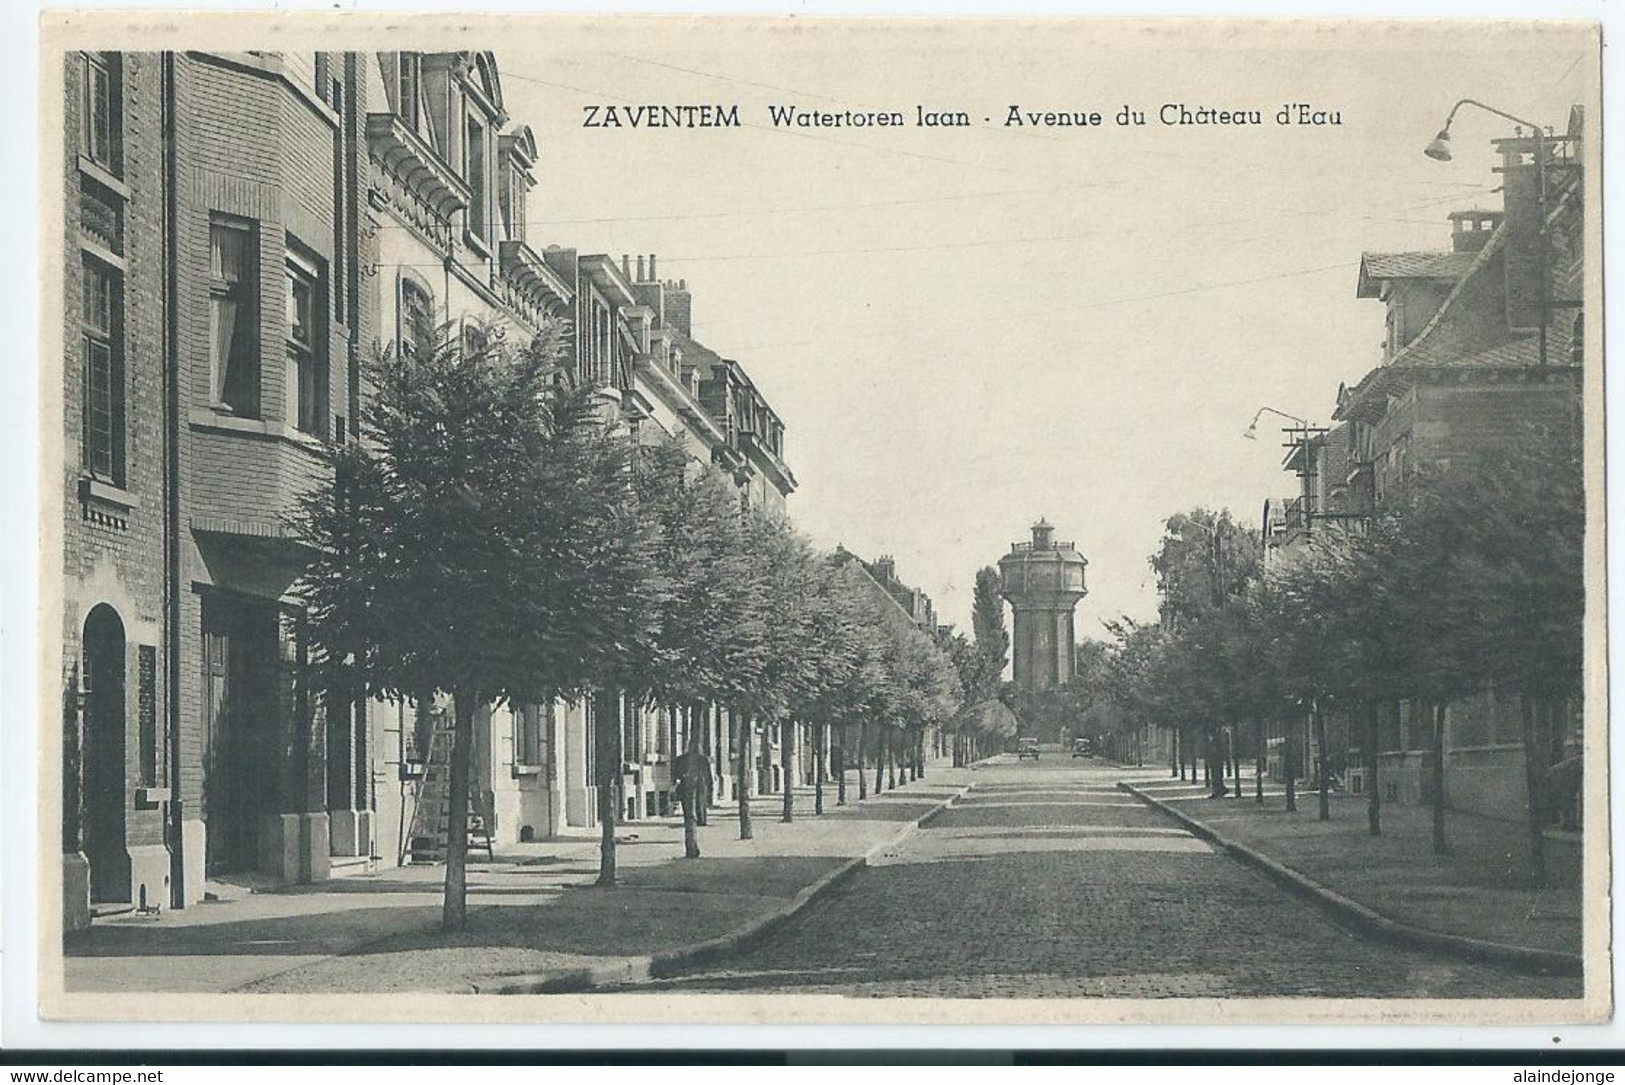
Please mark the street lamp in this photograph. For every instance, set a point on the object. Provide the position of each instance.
(1252, 431)
(1439, 150)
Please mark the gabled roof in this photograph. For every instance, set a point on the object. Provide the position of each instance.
(1377, 268)
(1434, 348)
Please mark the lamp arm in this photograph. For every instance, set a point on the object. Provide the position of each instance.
(1281, 414)
(1449, 120)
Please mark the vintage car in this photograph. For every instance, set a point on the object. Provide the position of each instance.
(1025, 748)
(1082, 747)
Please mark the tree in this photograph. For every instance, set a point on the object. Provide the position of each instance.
(1202, 562)
(1530, 553)
(1516, 601)
(988, 629)
(704, 603)
(775, 666)
(475, 542)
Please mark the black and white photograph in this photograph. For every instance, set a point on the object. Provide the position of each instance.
(701, 519)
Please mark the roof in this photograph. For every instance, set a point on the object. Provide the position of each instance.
(1379, 267)
(1452, 340)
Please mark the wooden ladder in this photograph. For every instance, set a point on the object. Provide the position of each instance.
(431, 815)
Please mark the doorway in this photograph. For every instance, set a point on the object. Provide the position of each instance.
(106, 785)
(240, 726)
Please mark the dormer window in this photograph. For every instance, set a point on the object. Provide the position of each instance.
(474, 172)
(409, 68)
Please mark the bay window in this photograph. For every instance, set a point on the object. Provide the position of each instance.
(307, 358)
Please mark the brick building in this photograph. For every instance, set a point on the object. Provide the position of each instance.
(219, 299)
(1483, 348)
(118, 760)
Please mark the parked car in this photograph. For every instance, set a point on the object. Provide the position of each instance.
(1027, 747)
(1082, 747)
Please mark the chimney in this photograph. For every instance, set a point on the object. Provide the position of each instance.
(651, 267)
(1470, 230)
(1521, 195)
(639, 279)
(626, 265)
(886, 567)
(679, 307)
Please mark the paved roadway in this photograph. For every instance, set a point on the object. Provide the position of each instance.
(1046, 881)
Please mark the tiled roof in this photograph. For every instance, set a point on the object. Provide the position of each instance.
(1376, 267)
(1434, 347)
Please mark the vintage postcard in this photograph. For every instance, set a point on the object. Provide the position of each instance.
(708, 519)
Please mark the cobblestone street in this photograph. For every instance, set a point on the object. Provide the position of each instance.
(1047, 881)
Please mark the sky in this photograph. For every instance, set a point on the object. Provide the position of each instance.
(967, 329)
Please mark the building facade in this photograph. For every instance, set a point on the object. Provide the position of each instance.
(1483, 349)
(242, 230)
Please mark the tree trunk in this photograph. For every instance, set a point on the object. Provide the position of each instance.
(1289, 764)
(840, 769)
(880, 759)
(690, 790)
(1235, 760)
(891, 763)
(863, 762)
(607, 728)
(1373, 767)
(1321, 761)
(1556, 733)
(1260, 760)
(1173, 752)
(742, 771)
(702, 796)
(1439, 844)
(1532, 774)
(1213, 764)
(818, 768)
(919, 755)
(454, 908)
(787, 767)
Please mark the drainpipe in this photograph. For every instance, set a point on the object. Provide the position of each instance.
(172, 497)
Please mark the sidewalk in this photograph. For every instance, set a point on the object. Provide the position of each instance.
(533, 911)
(1481, 889)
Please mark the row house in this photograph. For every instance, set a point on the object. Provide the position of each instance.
(214, 284)
(242, 230)
(1483, 348)
(901, 604)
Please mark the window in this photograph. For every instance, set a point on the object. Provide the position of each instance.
(103, 119)
(474, 171)
(416, 318)
(598, 344)
(530, 737)
(307, 361)
(474, 338)
(147, 710)
(103, 376)
(234, 358)
(409, 70)
(341, 193)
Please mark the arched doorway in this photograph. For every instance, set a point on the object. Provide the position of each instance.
(106, 785)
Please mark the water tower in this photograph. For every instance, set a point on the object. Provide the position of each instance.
(1043, 581)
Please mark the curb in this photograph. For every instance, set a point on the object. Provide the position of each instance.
(1364, 920)
(636, 971)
